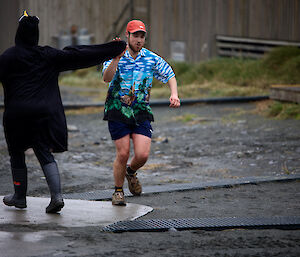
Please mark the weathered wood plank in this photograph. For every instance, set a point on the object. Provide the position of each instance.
(289, 93)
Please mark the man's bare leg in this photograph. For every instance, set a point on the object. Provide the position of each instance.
(142, 146)
(122, 156)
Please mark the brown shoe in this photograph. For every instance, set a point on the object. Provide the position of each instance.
(118, 198)
(134, 184)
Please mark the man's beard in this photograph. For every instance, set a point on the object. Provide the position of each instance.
(133, 48)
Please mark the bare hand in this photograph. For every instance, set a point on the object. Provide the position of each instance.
(174, 102)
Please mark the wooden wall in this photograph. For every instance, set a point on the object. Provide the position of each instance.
(8, 23)
(59, 15)
(195, 22)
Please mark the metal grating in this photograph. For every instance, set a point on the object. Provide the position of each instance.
(287, 222)
(106, 194)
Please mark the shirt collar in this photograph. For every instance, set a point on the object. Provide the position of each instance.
(142, 53)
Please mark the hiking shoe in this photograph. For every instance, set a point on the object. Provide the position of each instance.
(118, 198)
(56, 204)
(134, 184)
(12, 200)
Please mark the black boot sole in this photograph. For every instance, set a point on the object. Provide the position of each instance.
(13, 203)
(55, 208)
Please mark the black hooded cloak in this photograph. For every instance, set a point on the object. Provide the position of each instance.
(29, 74)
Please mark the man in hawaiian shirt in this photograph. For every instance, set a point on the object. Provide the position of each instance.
(127, 109)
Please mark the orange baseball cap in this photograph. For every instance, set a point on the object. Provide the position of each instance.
(135, 25)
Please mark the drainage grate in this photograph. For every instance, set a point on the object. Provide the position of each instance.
(288, 222)
(106, 194)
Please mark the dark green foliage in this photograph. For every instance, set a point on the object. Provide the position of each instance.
(281, 65)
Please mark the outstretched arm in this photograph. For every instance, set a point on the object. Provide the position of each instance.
(79, 57)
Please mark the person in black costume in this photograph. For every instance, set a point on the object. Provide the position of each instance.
(34, 115)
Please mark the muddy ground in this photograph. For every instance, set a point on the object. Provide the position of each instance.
(219, 142)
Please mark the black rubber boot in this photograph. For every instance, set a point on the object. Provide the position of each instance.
(18, 199)
(53, 179)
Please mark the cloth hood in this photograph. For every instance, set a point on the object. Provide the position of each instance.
(28, 31)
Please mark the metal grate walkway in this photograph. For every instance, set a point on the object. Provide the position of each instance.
(288, 222)
(106, 194)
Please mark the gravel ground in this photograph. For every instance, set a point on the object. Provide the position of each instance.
(220, 142)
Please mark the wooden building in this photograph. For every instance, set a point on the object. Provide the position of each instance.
(177, 29)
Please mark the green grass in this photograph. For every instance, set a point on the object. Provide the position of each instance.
(86, 78)
(89, 77)
(280, 110)
(216, 77)
(282, 65)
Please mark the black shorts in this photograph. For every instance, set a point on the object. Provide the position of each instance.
(118, 130)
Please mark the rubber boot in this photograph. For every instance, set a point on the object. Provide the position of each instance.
(18, 199)
(53, 179)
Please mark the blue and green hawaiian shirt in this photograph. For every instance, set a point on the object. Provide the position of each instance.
(129, 91)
